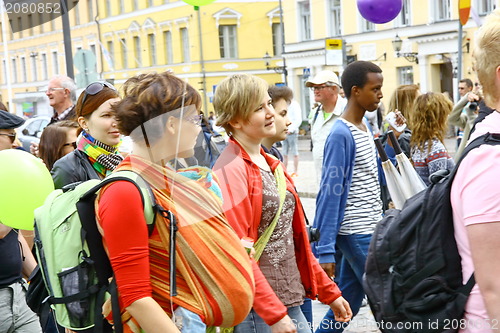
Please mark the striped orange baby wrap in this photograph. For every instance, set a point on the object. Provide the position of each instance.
(214, 274)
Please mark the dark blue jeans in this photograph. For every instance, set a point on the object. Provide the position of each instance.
(354, 250)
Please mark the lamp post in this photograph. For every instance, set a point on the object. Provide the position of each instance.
(276, 69)
(397, 43)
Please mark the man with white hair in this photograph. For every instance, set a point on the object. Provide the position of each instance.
(61, 92)
(326, 88)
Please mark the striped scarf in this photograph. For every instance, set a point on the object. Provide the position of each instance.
(214, 274)
(104, 158)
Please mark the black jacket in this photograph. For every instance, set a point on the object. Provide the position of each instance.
(74, 167)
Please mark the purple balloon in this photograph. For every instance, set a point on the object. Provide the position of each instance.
(379, 11)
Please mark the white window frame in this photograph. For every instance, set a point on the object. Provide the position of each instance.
(90, 10)
(45, 70)
(485, 7)
(365, 25)
(277, 39)
(123, 49)
(335, 17)
(184, 34)
(55, 63)
(405, 75)
(14, 69)
(137, 50)
(152, 49)
(34, 67)
(24, 76)
(228, 41)
(304, 12)
(167, 38)
(442, 10)
(404, 17)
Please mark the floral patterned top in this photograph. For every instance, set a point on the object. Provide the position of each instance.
(278, 262)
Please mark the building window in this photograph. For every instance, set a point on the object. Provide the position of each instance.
(122, 6)
(367, 26)
(442, 10)
(4, 71)
(14, 70)
(335, 18)
(405, 75)
(137, 50)
(151, 3)
(76, 12)
(152, 49)
(185, 45)
(305, 20)
(277, 39)
(110, 53)
(30, 24)
(108, 8)
(484, 7)
(403, 18)
(20, 26)
(90, 10)
(135, 4)
(40, 21)
(167, 37)
(34, 67)
(24, 77)
(123, 48)
(52, 21)
(227, 41)
(45, 74)
(55, 63)
(11, 31)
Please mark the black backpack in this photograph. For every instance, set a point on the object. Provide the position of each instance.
(413, 276)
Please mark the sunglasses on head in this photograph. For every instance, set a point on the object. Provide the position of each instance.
(12, 136)
(95, 88)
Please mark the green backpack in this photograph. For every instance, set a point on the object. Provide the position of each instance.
(75, 267)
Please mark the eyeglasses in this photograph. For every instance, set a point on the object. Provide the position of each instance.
(12, 136)
(95, 88)
(72, 144)
(318, 88)
(51, 90)
(195, 119)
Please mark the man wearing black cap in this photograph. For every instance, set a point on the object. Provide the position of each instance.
(8, 122)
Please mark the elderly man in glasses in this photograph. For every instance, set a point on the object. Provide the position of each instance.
(325, 86)
(8, 123)
(61, 92)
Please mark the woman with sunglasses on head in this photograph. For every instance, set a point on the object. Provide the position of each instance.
(96, 154)
(260, 202)
(57, 140)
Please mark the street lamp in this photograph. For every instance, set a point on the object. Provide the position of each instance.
(397, 43)
(277, 69)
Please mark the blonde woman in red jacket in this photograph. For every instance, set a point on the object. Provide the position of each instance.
(249, 178)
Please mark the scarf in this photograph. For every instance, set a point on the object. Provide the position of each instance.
(104, 158)
(214, 274)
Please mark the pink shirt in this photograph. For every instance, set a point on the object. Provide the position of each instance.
(475, 199)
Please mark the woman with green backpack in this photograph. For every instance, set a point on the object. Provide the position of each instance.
(261, 203)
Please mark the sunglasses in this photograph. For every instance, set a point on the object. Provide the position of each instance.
(12, 136)
(95, 88)
(197, 119)
(72, 144)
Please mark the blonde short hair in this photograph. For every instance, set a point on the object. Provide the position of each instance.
(236, 97)
(487, 57)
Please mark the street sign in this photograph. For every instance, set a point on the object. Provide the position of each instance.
(464, 11)
(333, 51)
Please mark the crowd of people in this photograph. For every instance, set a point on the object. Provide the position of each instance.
(246, 191)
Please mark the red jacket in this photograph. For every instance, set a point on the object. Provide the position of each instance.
(241, 183)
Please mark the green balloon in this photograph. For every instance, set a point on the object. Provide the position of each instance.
(198, 2)
(25, 182)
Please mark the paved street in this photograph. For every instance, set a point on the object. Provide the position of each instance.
(307, 186)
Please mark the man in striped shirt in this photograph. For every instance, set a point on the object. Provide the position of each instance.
(348, 205)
